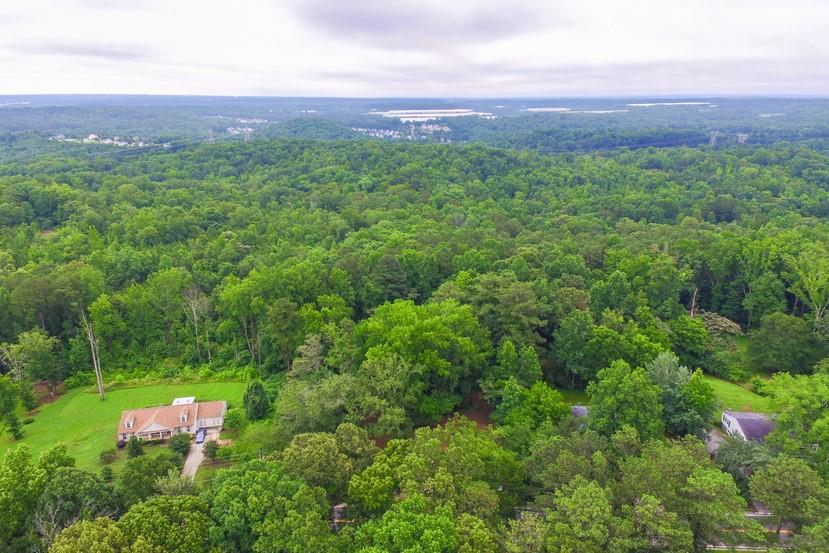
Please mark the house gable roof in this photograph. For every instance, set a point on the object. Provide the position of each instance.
(168, 417)
(211, 409)
(754, 426)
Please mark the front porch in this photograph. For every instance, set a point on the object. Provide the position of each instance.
(157, 435)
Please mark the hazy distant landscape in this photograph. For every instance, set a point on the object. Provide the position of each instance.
(549, 125)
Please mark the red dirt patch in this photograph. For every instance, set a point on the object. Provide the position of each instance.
(477, 409)
(474, 408)
(42, 395)
(381, 441)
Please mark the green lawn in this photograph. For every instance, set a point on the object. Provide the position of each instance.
(575, 397)
(735, 397)
(88, 426)
(208, 470)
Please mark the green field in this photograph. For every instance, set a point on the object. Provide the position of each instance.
(88, 426)
(730, 395)
(575, 397)
(735, 397)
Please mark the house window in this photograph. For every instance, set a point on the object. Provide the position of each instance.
(128, 424)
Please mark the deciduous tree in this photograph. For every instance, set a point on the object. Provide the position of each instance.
(623, 396)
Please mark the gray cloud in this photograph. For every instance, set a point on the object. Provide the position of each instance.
(101, 51)
(115, 5)
(408, 24)
(629, 78)
(414, 47)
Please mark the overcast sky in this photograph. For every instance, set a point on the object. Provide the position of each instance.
(415, 48)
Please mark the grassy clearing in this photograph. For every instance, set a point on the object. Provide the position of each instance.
(575, 397)
(88, 426)
(208, 471)
(735, 397)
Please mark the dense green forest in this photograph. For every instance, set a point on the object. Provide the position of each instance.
(375, 293)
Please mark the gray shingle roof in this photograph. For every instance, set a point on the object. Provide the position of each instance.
(578, 410)
(755, 426)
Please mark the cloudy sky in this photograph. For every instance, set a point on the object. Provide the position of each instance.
(415, 47)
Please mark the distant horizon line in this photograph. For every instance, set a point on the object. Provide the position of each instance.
(811, 96)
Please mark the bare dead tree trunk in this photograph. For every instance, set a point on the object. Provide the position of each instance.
(197, 309)
(93, 347)
(207, 345)
(250, 341)
(196, 332)
(12, 359)
(694, 303)
(820, 311)
(46, 521)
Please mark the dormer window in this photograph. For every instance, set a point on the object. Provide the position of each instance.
(128, 424)
(183, 416)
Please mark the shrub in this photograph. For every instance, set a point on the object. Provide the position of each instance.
(134, 448)
(256, 401)
(758, 386)
(822, 366)
(79, 380)
(225, 453)
(13, 424)
(234, 419)
(174, 484)
(211, 450)
(169, 371)
(171, 457)
(27, 397)
(180, 443)
(108, 456)
(724, 364)
(28, 420)
(107, 474)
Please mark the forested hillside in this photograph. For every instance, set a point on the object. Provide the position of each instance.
(371, 293)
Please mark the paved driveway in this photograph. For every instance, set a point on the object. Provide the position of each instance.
(196, 455)
(714, 439)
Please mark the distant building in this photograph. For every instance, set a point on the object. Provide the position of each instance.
(183, 416)
(747, 426)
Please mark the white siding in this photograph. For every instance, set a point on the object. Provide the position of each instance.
(211, 422)
(731, 426)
